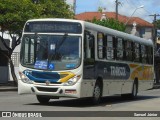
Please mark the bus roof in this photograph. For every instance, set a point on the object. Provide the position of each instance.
(102, 29)
(119, 34)
(55, 19)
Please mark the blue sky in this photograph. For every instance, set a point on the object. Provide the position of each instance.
(127, 7)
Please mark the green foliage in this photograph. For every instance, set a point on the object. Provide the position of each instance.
(14, 13)
(110, 23)
(55, 8)
(158, 24)
(100, 9)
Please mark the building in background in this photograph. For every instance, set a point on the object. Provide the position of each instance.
(158, 36)
(144, 28)
(158, 43)
(4, 68)
(4, 65)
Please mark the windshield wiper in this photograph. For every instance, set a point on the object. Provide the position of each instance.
(59, 43)
(37, 39)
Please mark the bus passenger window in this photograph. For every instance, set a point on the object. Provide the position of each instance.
(128, 49)
(100, 42)
(110, 49)
(88, 50)
(143, 53)
(120, 49)
(137, 52)
(149, 55)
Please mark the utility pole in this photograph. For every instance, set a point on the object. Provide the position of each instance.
(74, 6)
(155, 30)
(156, 69)
(117, 3)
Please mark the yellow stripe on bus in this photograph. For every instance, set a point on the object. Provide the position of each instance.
(142, 72)
(65, 76)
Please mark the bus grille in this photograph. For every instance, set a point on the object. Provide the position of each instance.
(47, 89)
(50, 82)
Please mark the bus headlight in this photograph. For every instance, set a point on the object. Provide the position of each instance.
(24, 78)
(72, 81)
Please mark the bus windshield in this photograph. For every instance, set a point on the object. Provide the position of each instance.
(51, 52)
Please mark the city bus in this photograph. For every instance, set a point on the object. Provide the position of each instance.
(79, 59)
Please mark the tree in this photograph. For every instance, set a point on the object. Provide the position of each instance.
(100, 9)
(14, 14)
(158, 24)
(54, 8)
(110, 23)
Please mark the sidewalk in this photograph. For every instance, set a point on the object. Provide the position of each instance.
(10, 87)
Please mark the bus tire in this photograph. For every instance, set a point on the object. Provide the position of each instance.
(42, 99)
(133, 95)
(134, 92)
(97, 93)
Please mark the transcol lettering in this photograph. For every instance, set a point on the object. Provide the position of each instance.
(118, 71)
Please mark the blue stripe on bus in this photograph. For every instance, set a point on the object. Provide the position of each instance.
(42, 76)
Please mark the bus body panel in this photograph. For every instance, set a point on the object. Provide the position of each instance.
(24, 88)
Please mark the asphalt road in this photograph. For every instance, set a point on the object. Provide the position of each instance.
(146, 101)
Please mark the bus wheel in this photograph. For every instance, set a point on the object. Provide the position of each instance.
(134, 91)
(132, 95)
(43, 99)
(97, 93)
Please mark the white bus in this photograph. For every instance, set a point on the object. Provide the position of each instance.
(73, 58)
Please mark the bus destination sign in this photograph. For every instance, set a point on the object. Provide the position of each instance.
(53, 27)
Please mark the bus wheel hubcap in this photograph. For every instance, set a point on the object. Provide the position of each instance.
(97, 92)
(134, 90)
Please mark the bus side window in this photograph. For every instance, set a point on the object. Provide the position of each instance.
(143, 53)
(136, 52)
(101, 45)
(88, 46)
(128, 49)
(110, 48)
(149, 55)
(120, 49)
(29, 48)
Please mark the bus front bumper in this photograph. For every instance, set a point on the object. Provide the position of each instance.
(57, 91)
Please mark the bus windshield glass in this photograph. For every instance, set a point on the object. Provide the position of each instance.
(51, 52)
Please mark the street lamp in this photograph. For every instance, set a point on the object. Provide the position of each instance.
(134, 12)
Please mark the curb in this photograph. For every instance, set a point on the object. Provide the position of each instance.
(4, 89)
(9, 86)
